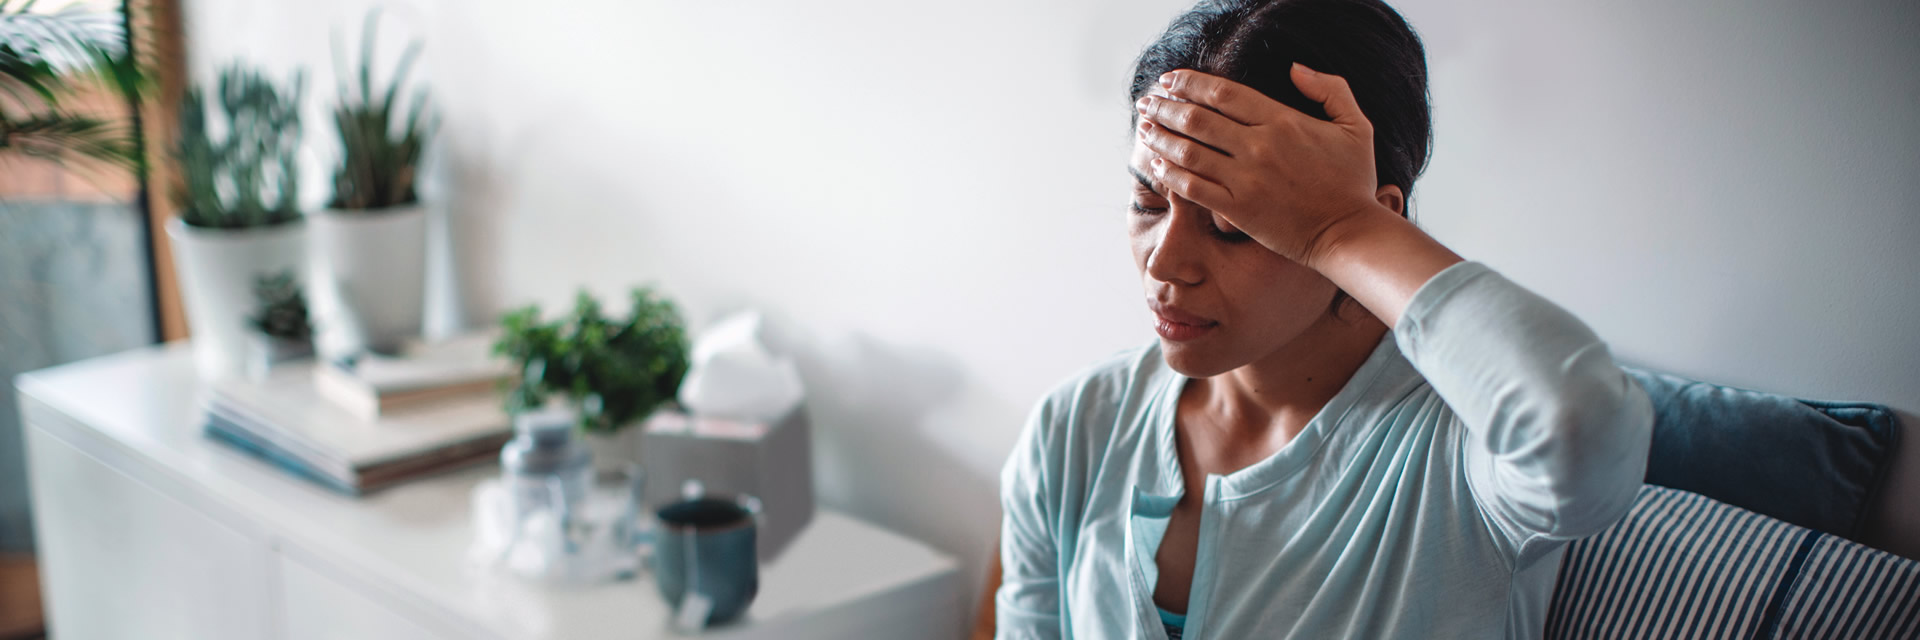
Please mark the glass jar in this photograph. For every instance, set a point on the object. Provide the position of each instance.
(546, 467)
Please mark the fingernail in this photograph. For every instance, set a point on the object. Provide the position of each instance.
(1166, 80)
(1159, 165)
(1142, 103)
(1306, 68)
(1145, 126)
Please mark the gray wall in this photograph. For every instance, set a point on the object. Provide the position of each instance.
(1725, 190)
(929, 195)
(73, 285)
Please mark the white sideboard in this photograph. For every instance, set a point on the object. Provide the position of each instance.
(148, 529)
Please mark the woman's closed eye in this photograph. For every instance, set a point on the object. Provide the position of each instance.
(1222, 230)
(1139, 208)
(1226, 232)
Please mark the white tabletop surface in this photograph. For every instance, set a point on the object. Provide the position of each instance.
(141, 413)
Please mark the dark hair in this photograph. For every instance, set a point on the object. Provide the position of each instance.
(1256, 42)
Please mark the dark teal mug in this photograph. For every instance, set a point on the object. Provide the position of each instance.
(704, 557)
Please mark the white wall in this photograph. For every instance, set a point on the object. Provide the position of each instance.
(928, 196)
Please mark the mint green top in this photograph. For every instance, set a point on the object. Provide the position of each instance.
(1175, 624)
(1430, 498)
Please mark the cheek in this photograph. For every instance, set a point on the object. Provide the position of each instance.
(1141, 243)
(1265, 290)
(1141, 239)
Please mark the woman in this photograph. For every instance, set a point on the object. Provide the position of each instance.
(1280, 464)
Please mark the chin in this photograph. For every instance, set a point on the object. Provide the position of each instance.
(1196, 360)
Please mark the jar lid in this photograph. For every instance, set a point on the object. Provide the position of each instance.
(544, 442)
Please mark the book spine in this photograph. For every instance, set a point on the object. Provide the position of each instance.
(220, 429)
(238, 419)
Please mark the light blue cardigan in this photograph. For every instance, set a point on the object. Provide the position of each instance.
(1430, 498)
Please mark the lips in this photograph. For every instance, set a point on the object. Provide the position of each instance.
(1176, 324)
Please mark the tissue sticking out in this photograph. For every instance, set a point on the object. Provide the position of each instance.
(734, 377)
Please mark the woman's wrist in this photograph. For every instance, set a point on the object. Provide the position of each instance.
(1367, 222)
(1379, 258)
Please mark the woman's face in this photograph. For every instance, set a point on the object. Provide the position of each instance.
(1220, 299)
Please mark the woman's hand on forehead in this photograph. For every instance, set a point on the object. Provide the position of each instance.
(1287, 179)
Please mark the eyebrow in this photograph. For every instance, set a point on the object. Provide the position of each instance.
(1144, 182)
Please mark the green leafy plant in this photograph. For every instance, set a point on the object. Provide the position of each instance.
(380, 151)
(245, 178)
(281, 308)
(45, 57)
(616, 371)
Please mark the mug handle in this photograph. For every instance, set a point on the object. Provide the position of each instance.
(754, 510)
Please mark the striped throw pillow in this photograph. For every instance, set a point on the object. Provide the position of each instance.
(1681, 565)
(1846, 590)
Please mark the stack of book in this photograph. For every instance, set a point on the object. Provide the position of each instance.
(373, 422)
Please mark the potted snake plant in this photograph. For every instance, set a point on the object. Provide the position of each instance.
(369, 241)
(235, 193)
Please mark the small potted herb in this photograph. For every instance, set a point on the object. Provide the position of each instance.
(371, 237)
(614, 371)
(281, 332)
(235, 191)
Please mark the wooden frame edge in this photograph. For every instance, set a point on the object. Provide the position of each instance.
(159, 41)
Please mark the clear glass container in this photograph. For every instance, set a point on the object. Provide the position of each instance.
(546, 467)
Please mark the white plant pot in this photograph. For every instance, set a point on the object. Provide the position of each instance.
(218, 268)
(370, 275)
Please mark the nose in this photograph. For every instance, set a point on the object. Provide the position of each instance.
(1178, 256)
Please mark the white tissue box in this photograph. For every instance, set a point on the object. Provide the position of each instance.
(771, 461)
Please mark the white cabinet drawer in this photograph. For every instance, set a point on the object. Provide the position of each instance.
(317, 607)
(120, 559)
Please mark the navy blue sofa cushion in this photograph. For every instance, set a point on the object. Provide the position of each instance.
(1818, 465)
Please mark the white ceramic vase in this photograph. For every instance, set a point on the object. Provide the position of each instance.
(370, 274)
(218, 268)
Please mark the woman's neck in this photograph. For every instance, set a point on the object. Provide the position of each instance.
(1270, 400)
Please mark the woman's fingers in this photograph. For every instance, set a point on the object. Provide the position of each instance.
(1194, 121)
(1331, 92)
(1190, 185)
(1182, 151)
(1234, 100)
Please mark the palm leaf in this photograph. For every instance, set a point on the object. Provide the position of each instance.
(43, 55)
(28, 80)
(67, 38)
(122, 73)
(61, 137)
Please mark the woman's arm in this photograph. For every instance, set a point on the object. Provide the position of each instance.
(1027, 604)
(1557, 433)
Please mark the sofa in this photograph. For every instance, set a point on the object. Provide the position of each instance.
(1682, 565)
(1745, 527)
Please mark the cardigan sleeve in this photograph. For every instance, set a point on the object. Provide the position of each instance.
(1557, 434)
(1028, 603)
